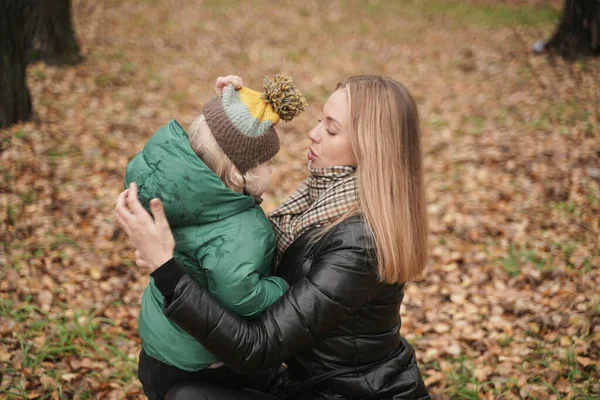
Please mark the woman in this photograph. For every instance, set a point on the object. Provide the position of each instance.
(349, 238)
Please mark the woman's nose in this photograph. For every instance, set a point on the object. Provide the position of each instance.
(313, 134)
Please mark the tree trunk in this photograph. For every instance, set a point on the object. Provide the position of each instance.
(55, 36)
(18, 19)
(578, 33)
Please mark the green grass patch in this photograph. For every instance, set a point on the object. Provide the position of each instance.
(592, 197)
(6, 176)
(494, 16)
(59, 240)
(463, 383)
(27, 197)
(104, 80)
(18, 313)
(38, 73)
(129, 67)
(516, 258)
(463, 12)
(5, 142)
(505, 340)
(11, 215)
(81, 335)
(565, 251)
(438, 124)
(477, 123)
(512, 262)
(565, 208)
(178, 97)
(54, 154)
(223, 8)
(118, 55)
(582, 379)
(502, 117)
(20, 135)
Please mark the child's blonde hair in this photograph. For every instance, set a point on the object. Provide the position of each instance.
(206, 147)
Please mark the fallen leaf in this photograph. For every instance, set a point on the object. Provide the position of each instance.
(45, 298)
(95, 273)
(441, 328)
(4, 354)
(68, 377)
(535, 391)
(75, 364)
(86, 363)
(47, 381)
(584, 361)
(563, 385)
(565, 341)
(434, 377)
(39, 341)
(453, 349)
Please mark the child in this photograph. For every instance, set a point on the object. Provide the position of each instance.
(209, 182)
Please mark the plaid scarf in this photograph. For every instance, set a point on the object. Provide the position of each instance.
(326, 195)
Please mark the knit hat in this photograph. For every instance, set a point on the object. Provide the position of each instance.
(243, 121)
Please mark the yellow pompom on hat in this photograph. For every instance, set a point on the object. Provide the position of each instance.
(243, 121)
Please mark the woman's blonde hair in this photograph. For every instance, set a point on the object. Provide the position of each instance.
(385, 138)
(206, 147)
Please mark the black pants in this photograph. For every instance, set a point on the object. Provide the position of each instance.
(205, 391)
(158, 378)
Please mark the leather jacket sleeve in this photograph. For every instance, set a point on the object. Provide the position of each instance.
(341, 280)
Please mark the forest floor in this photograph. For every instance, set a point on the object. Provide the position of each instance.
(509, 306)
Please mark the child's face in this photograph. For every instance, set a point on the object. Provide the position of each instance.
(263, 174)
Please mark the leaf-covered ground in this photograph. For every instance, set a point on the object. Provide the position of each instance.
(509, 307)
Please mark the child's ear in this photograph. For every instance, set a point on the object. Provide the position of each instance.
(233, 174)
(236, 178)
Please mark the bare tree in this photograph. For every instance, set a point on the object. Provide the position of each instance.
(17, 25)
(578, 32)
(54, 34)
(21, 22)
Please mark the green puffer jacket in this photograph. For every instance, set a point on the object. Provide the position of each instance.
(223, 239)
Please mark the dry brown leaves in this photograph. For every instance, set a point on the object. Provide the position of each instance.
(509, 306)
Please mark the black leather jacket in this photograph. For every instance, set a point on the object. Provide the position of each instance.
(336, 316)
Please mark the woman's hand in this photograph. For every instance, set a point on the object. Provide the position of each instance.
(140, 261)
(224, 81)
(153, 239)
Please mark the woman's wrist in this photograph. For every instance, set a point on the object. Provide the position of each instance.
(161, 260)
(167, 276)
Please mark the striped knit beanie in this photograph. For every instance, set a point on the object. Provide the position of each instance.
(243, 121)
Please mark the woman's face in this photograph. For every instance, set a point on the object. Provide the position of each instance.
(331, 136)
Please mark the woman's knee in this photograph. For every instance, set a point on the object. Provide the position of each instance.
(187, 391)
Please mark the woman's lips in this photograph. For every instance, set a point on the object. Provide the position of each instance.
(311, 156)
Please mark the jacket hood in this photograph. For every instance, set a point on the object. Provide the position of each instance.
(192, 194)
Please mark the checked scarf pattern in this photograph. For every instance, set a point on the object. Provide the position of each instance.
(326, 195)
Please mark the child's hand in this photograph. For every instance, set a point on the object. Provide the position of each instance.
(224, 81)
